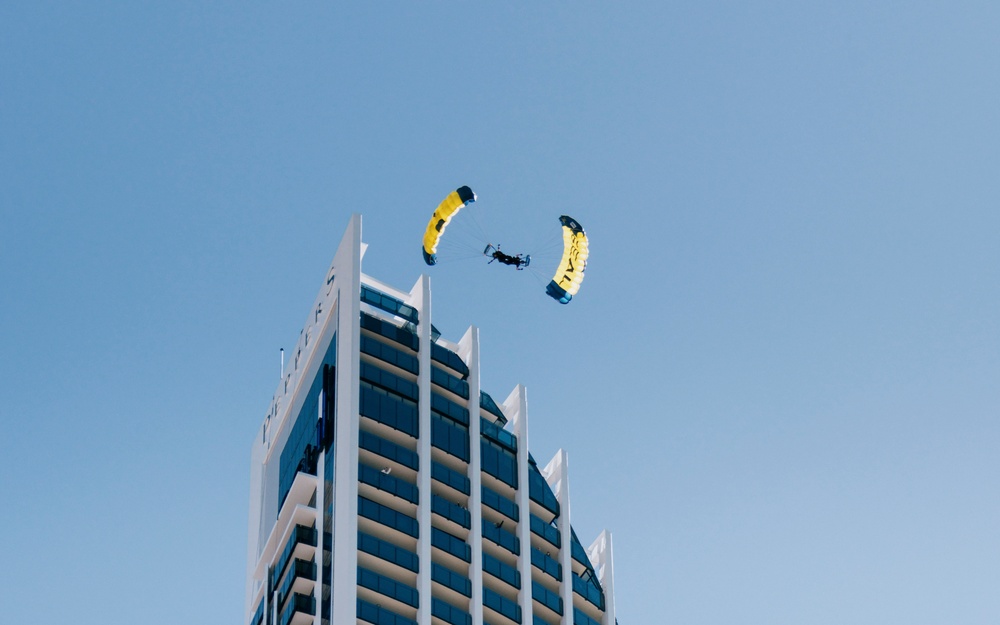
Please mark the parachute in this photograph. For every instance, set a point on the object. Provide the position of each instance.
(569, 274)
(447, 209)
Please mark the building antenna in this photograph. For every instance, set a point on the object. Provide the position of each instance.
(282, 371)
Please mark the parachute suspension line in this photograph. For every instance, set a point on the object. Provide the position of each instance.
(457, 249)
(539, 273)
(548, 245)
(480, 231)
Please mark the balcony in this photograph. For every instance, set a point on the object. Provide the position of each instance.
(298, 610)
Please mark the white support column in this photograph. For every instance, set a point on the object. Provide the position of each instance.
(255, 541)
(516, 407)
(600, 554)
(468, 350)
(420, 298)
(320, 511)
(347, 264)
(556, 473)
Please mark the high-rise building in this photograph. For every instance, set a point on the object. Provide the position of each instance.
(388, 487)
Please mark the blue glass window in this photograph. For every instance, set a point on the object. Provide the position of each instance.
(403, 336)
(501, 604)
(297, 603)
(449, 476)
(381, 616)
(446, 577)
(387, 551)
(502, 537)
(387, 586)
(388, 353)
(387, 516)
(301, 535)
(579, 553)
(498, 435)
(390, 304)
(388, 483)
(579, 618)
(300, 569)
(539, 490)
(299, 454)
(447, 381)
(389, 381)
(501, 504)
(546, 597)
(388, 408)
(486, 402)
(546, 563)
(449, 613)
(499, 462)
(589, 590)
(258, 616)
(449, 358)
(450, 436)
(501, 570)
(450, 511)
(451, 544)
(546, 530)
(388, 449)
(449, 409)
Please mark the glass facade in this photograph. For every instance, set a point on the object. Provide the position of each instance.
(589, 590)
(388, 483)
(503, 605)
(388, 449)
(544, 562)
(388, 408)
(387, 551)
(546, 530)
(378, 615)
(501, 504)
(499, 462)
(497, 534)
(501, 570)
(387, 516)
(449, 382)
(402, 335)
(540, 491)
(388, 303)
(449, 359)
(486, 403)
(449, 613)
(449, 436)
(451, 544)
(446, 577)
(449, 476)
(451, 511)
(387, 586)
(546, 597)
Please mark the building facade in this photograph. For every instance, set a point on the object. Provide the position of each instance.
(388, 487)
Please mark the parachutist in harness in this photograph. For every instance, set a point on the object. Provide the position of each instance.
(506, 259)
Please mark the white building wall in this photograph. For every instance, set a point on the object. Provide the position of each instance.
(468, 350)
(421, 300)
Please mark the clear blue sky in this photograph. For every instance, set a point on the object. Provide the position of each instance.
(778, 386)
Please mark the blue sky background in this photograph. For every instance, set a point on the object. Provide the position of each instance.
(778, 386)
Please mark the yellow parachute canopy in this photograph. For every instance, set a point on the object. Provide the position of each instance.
(439, 221)
(569, 275)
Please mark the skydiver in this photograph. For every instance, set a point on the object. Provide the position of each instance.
(505, 259)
